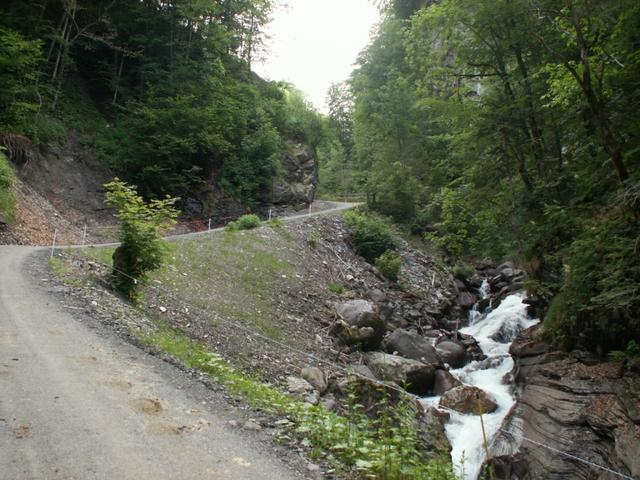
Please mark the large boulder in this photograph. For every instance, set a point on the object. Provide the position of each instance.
(431, 433)
(358, 323)
(444, 382)
(412, 345)
(464, 399)
(452, 353)
(297, 185)
(316, 378)
(416, 377)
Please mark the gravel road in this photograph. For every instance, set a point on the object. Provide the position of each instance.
(78, 404)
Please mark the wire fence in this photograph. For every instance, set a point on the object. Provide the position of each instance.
(315, 360)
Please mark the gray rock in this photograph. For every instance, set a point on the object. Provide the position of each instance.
(452, 353)
(416, 377)
(359, 323)
(298, 386)
(377, 296)
(412, 345)
(316, 378)
(252, 425)
(466, 300)
(464, 399)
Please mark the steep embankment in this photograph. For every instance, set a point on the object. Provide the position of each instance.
(265, 299)
(59, 193)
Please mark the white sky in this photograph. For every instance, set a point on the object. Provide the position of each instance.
(314, 43)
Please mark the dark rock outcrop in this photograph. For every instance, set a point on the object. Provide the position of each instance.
(571, 402)
(297, 186)
(431, 433)
(444, 382)
(452, 352)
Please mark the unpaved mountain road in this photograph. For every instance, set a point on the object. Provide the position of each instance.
(78, 403)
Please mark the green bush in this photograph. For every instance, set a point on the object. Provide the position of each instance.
(142, 249)
(389, 265)
(371, 237)
(7, 180)
(245, 222)
(335, 287)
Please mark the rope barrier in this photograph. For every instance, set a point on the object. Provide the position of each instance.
(550, 448)
(267, 339)
(348, 371)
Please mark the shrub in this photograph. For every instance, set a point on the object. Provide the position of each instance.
(335, 287)
(142, 248)
(389, 265)
(462, 271)
(371, 237)
(245, 222)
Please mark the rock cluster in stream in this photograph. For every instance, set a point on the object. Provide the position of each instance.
(408, 336)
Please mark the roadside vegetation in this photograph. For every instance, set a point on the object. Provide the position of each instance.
(142, 249)
(355, 445)
(7, 181)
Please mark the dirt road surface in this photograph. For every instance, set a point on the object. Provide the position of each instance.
(78, 403)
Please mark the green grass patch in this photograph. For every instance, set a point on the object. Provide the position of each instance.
(7, 181)
(335, 287)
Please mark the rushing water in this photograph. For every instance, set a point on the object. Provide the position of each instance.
(494, 333)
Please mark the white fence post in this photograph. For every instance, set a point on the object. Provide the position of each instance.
(84, 234)
(209, 227)
(53, 243)
(270, 213)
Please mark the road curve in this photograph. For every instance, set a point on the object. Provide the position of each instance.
(80, 404)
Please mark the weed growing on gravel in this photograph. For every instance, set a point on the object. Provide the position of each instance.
(353, 444)
(335, 287)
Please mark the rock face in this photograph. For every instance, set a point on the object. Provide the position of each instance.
(452, 353)
(298, 185)
(412, 345)
(417, 376)
(574, 403)
(359, 323)
(431, 433)
(464, 399)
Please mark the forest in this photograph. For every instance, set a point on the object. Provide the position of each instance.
(509, 129)
(491, 128)
(177, 102)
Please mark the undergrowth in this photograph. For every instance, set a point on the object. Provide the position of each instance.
(354, 444)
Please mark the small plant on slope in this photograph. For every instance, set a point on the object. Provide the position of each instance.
(389, 265)
(142, 248)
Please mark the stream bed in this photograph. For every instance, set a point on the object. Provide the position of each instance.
(494, 333)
